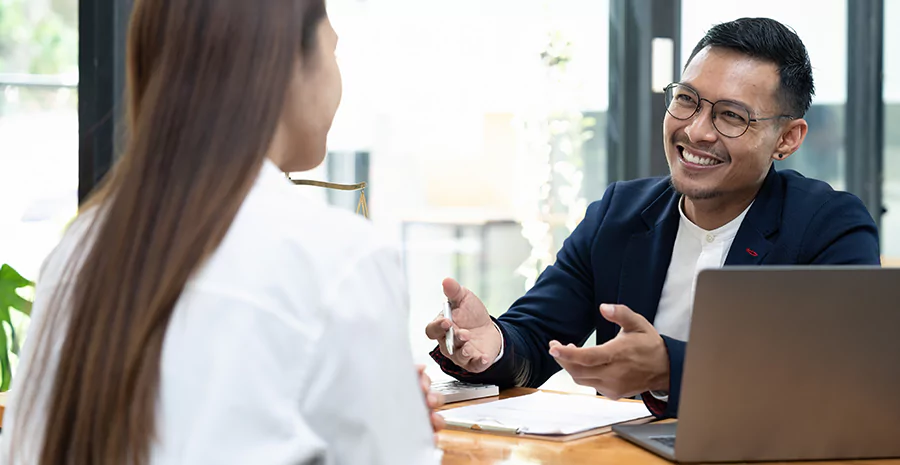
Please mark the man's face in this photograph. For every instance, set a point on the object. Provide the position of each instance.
(704, 163)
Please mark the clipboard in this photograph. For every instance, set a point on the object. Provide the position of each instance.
(515, 431)
(551, 416)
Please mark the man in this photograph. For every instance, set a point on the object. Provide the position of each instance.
(736, 112)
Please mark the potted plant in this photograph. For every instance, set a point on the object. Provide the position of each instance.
(11, 283)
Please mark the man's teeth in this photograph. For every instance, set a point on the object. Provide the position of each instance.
(698, 160)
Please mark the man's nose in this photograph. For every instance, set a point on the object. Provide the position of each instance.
(701, 128)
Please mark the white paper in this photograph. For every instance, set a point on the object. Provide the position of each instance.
(548, 414)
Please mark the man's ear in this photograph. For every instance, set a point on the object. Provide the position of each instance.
(792, 136)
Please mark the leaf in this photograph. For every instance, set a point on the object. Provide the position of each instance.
(14, 342)
(10, 281)
(5, 366)
(9, 274)
(5, 317)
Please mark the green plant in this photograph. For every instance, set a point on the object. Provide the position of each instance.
(11, 282)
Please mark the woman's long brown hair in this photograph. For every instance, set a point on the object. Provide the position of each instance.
(206, 85)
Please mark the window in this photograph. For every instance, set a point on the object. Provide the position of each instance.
(38, 128)
(482, 151)
(890, 222)
(825, 35)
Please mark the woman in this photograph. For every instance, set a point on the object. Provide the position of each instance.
(199, 311)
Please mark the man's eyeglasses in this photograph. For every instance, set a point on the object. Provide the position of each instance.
(731, 119)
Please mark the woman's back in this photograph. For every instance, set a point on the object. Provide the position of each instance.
(289, 345)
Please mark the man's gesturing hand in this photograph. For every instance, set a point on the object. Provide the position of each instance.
(476, 341)
(633, 362)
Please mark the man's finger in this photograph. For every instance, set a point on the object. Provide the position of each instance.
(595, 374)
(469, 351)
(437, 329)
(460, 356)
(461, 336)
(602, 379)
(589, 356)
(599, 384)
(453, 290)
(625, 317)
(472, 358)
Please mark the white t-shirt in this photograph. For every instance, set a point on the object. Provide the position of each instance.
(288, 346)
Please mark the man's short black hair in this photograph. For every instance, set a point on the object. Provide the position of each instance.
(769, 40)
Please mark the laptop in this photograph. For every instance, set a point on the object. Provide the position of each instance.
(787, 363)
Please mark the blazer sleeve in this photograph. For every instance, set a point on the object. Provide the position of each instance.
(841, 233)
(559, 307)
(669, 408)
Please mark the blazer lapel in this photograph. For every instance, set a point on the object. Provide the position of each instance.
(647, 256)
(648, 253)
(752, 242)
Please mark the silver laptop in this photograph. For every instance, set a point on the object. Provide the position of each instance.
(787, 363)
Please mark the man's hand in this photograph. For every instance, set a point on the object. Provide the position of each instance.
(476, 341)
(434, 400)
(633, 362)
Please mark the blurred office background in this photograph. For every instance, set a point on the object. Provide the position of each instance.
(483, 127)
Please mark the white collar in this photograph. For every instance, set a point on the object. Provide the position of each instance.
(727, 231)
(270, 174)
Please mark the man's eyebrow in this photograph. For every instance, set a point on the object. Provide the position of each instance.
(689, 86)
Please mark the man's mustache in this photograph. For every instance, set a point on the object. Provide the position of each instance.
(682, 140)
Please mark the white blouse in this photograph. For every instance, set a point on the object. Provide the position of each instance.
(289, 346)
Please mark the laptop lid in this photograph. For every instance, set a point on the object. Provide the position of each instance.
(792, 363)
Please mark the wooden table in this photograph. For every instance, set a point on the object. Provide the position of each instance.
(465, 448)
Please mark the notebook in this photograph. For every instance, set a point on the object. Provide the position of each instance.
(458, 391)
(550, 416)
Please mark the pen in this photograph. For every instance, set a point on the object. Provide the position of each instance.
(482, 427)
(448, 337)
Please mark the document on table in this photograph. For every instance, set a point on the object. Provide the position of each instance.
(544, 413)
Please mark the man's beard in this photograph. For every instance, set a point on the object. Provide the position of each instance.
(694, 194)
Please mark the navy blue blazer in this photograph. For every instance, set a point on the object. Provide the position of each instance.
(620, 253)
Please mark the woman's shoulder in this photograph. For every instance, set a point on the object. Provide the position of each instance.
(316, 228)
(305, 241)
